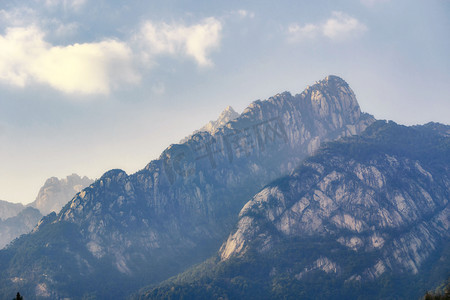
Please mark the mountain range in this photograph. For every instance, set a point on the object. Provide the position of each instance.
(125, 231)
(299, 196)
(17, 219)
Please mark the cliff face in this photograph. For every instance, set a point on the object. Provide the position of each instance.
(147, 226)
(368, 211)
(384, 201)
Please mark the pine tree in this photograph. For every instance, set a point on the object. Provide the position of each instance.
(18, 297)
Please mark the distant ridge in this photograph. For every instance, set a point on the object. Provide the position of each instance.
(8, 209)
(17, 219)
(57, 192)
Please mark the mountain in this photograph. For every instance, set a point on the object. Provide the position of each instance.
(57, 192)
(8, 209)
(229, 114)
(17, 219)
(125, 231)
(15, 226)
(366, 217)
(226, 116)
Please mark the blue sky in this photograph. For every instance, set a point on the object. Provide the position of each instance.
(86, 86)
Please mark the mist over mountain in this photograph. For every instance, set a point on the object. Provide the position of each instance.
(126, 231)
(366, 217)
(19, 224)
(8, 209)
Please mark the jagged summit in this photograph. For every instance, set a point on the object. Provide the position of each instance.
(229, 109)
(227, 115)
(334, 79)
(57, 192)
(113, 173)
(330, 81)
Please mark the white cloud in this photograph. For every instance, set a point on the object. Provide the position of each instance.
(195, 41)
(62, 30)
(24, 16)
(245, 13)
(89, 68)
(342, 26)
(17, 16)
(339, 26)
(28, 57)
(307, 31)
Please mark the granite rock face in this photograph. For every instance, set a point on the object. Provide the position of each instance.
(385, 193)
(143, 228)
(55, 193)
(365, 217)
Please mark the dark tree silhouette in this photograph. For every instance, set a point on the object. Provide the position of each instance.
(18, 297)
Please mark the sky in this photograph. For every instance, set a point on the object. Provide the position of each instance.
(87, 86)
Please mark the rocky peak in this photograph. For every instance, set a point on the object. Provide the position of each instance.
(335, 80)
(114, 174)
(227, 115)
(57, 192)
(332, 98)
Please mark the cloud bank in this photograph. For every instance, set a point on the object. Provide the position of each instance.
(195, 41)
(89, 68)
(339, 26)
(99, 67)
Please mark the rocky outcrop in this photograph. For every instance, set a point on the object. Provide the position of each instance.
(152, 224)
(226, 116)
(364, 193)
(365, 217)
(57, 192)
